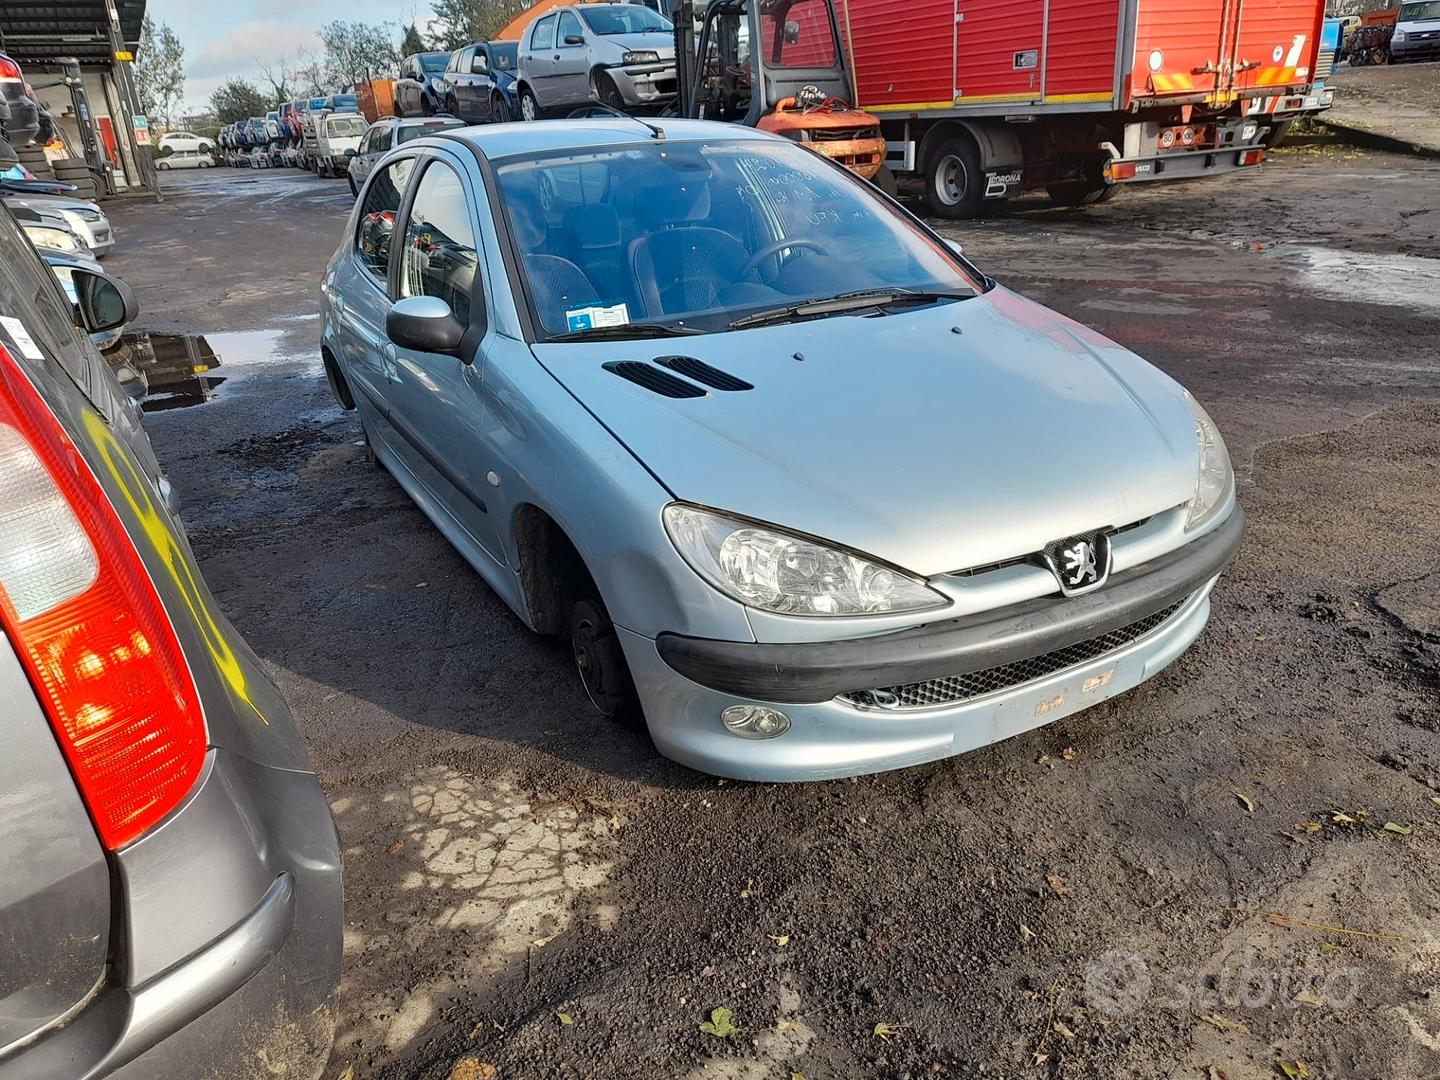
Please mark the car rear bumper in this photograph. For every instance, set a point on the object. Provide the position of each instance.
(948, 687)
(264, 984)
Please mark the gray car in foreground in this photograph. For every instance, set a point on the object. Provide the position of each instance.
(790, 473)
(170, 900)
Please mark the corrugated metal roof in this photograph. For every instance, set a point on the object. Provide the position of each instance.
(35, 34)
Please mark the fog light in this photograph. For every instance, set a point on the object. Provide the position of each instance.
(755, 721)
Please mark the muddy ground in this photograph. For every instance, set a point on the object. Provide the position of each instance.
(1233, 867)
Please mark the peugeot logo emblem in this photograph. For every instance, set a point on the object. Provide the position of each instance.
(1080, 563)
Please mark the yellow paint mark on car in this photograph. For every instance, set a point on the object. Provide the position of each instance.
(158, 532)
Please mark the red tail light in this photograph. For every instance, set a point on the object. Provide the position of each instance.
(78, 604)
(9, 69)
(1120, 170)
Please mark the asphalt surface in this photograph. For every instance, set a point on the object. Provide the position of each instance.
(1230, 868)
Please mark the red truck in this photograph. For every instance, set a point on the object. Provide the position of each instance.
(985, 99)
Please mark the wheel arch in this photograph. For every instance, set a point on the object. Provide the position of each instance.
(339, 386)
(550, 568)
(998, 144)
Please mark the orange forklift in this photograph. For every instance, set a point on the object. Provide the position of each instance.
(776, 65)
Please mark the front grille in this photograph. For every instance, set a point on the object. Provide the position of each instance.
(843, 134)
(955, 689)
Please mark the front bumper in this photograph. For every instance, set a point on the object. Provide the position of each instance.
(646, 84)
(1415, 48)
(98, 235)
(685, 683)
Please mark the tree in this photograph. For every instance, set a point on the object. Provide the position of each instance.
(279, 75)
(412, 42)
(238, 99)
(356, 52)
(310, 78)
(159, 70)
(459, 22)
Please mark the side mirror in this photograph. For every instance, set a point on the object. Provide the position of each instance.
(424, 324)
(105, 303)
(574, 39)
(955, 246)
(351, 152)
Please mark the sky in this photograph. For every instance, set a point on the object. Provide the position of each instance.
(232, 37)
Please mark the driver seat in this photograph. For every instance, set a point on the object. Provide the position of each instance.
(681, 262)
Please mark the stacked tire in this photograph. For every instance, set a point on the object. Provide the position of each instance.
(76, 171)
(34, 160)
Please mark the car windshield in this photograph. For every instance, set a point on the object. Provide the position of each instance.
(625, 19)
(1420, 12)
(405, 132)
(433, 63)
(345, 126)
(504, 56)
(695, 236)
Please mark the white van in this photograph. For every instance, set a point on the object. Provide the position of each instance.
(335, 134)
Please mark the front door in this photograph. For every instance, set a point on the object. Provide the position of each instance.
(437, 404)
(571, 73)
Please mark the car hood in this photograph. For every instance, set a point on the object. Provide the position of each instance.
(52, 203)
(661, 44)
(939, 440)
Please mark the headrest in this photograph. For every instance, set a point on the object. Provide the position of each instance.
(594, 226)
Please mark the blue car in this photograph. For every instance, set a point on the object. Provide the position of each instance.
(798, 482)
(479, 83)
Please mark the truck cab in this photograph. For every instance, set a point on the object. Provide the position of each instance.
(779, 66)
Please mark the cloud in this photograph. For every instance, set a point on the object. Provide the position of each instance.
(241, 51)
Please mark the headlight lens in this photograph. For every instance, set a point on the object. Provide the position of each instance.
(58, 239)
(767, 568)
(642, 56)
(1215, 479)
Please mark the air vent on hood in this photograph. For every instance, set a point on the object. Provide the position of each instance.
(703, 373)
(654, 380)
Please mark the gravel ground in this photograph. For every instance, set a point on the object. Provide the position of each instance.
(1230, 868)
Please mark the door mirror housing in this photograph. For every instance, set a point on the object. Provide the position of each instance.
(574, 39)
(424, 324)
(351, 152)
(105, 303)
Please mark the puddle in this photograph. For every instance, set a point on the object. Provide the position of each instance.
(176, 371)
(1408, 281)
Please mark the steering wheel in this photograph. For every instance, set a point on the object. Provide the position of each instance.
(779, 246)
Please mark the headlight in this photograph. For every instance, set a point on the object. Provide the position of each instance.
(86, 214)
(643, 56)
(45, 236)
(764, 567)
(1399, 35)
(1215, 478)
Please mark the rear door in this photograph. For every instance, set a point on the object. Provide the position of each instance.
(539, 58)
(1181, 47)
(54, 881)
(998, 49)
(1274, 44)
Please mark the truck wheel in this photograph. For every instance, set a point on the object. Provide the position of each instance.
(954, 184)
(1278, 133)
(1081, 194)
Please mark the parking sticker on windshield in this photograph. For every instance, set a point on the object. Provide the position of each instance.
(17, 333)
(596, 316)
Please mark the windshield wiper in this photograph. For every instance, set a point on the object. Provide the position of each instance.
(851, 301)
(629, 331)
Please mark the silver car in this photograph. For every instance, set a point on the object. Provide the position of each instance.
(794, 477)
(83, 217)
(385, 135)
(170, 896)
(619, 54)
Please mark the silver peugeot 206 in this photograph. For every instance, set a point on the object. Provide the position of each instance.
(802, 484)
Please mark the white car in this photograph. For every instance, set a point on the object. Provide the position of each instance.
(84, 219)
(185, 140)
(184, 159)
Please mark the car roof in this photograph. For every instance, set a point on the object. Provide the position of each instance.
(505, 140)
